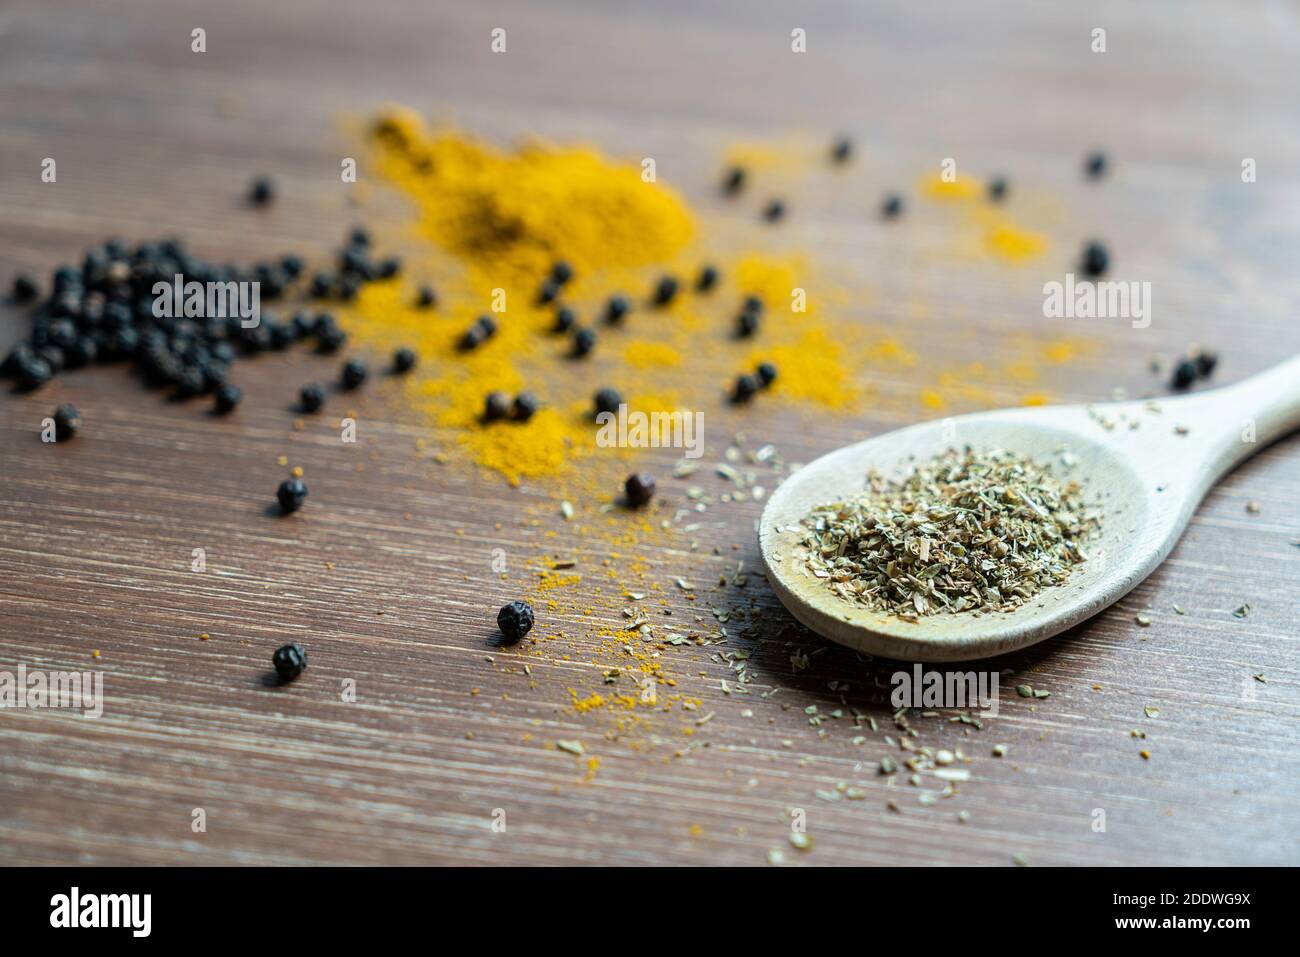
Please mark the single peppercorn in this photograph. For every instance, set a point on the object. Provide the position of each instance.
(1184, 374)
(1095, 259)
(607, 400)
(515, 620)
(998, 189)
(359, 236)
(584, 340)
(261, 192)
(311, 397)
(483, 329)
(561, 272)
(774, 210)
(892, 207)
(565, 319)
(427, 297)
(707, 279)
(734, 180)
(227, 397)
(616, 309)
(766, 374)
(496, 406)
(1095, 165)
(403, 361)
(639, 489)
(524, 406)
(548, 292)
(665, 291)
(289, 661)
(331, 339)
(24, 289)
(67, 420)
(1205, 363)
(291, 494)
(354, 373)
(746, 386)
(842, 150)
(33, 373)
(746, 324)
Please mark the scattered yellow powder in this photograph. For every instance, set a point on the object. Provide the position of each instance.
(643, 354)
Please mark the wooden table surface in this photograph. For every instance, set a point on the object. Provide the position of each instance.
(96, 535)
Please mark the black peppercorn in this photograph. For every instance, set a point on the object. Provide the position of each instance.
(998, 189)
(496, 406)
(20, 354)
(261, 192)
(289, 661)
(524, 406)
(331, 339)
(291, 494)
(607, 400)
(584, 340)
(1205, 363)
(33, 373)
(561, 272)
(427, 298)
(766, 374)
(25, 288)
(639, 489)
(359, 236)
(403, 360)
(548, 292)
(707, 279)
(67, 420)
(665, 291)
(565, 319)
(227, 397)
(390, 267)
(54, 356)
(746, 324)
(892, 206)
(774, 210)
(842, 150)
(354, 373)
(1095, 259)
(734, 180)
(1095, 165)
(1184, 374)
(616, 309)
(483, 329)
(311, 397)
(746, 386)
(515, 620)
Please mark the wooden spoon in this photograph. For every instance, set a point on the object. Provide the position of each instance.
(1147, 463)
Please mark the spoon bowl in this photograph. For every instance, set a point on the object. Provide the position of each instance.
(1146, 464)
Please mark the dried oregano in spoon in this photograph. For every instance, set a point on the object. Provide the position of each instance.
(966, 531)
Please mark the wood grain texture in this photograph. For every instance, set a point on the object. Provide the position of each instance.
(96, 534)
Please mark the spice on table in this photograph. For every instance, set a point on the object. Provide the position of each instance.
(561, 272)
(548, 292)
(227, 397)
(842, 150)
(766, 374)
(33, 372)
(774, 210)
(734, 180)
(515, 620)
(1184, 374)
(403, 360)
(665, 291)
(616, 309)
(1095, 165)
(745, 388)
(892, 206)
(565, 319)
(584, 340)
(24, 289)
(261, 192)
(354, 373)
(484, 328)
(291, 494)
(496, 406)
(607, 400)
(525, 406)
(67, 420)
(1095, 260)
(289, 661)
(747, 324)
(311, 397)
(1205, 363)
(964, 531)
(639, 489)
(707, 279)
(427, 298)
(998, 189)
